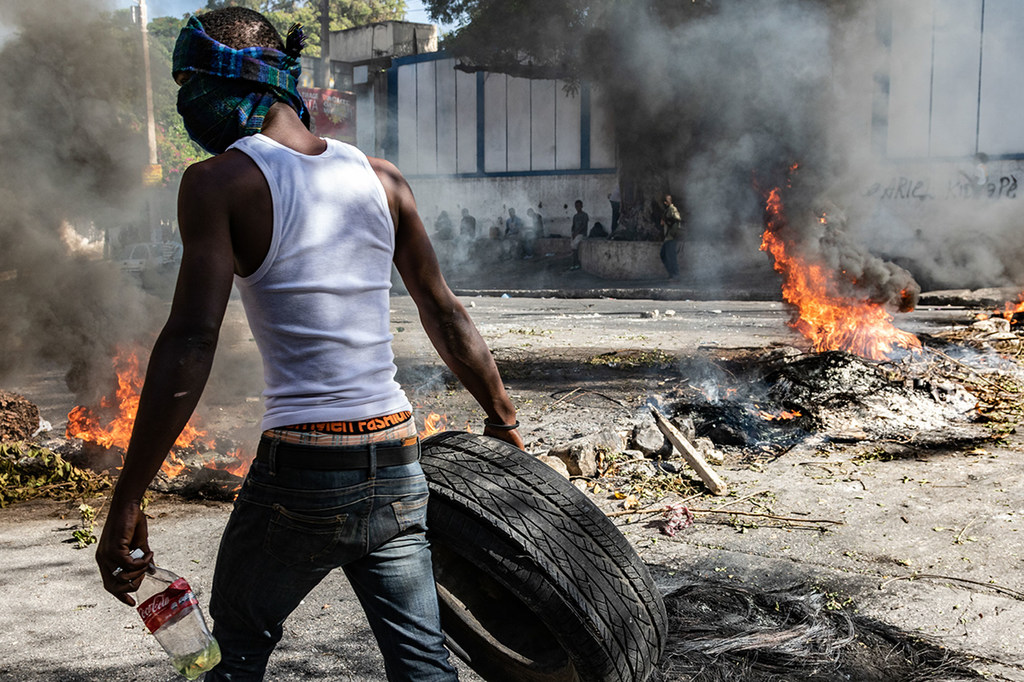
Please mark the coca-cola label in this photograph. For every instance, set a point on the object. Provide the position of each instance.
(160, 608)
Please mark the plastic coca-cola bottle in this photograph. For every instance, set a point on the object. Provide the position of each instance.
(171, 612)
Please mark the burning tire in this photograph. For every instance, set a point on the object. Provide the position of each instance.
(535, 583)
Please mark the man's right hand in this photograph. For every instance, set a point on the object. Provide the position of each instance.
(124, 530)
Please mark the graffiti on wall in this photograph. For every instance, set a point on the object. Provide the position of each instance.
(976, 184)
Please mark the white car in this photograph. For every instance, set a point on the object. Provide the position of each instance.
(140, 258)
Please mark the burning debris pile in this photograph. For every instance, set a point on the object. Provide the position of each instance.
(1009, 317)
(771, 403)
(842, 297)
(199, 466)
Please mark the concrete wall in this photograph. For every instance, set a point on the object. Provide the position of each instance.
(384, 39)
(617, 260)
(927, 87)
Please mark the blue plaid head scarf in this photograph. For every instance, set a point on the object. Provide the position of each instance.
(230, 91)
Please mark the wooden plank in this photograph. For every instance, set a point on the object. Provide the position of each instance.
(712, 480)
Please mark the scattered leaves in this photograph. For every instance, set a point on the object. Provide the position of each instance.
(29, 472)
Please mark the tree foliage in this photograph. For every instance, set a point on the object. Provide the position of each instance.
(344, 14)
(175, 150)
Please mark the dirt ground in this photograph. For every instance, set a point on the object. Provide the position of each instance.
(926, 541)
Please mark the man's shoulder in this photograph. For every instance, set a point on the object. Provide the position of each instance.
(232, 165)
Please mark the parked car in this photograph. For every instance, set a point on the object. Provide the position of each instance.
(151, 257)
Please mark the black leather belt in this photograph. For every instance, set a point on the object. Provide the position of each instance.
(336, 458)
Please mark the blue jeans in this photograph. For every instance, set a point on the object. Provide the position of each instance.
(291, 527)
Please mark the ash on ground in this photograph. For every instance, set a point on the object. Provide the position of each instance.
(769, 402)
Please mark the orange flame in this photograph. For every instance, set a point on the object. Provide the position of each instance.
(781, 416)
(238, 467)
(829, 321)
(89, 425)
(1010, 310)
(434, 423)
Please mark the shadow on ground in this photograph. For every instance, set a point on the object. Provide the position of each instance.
(722, 632)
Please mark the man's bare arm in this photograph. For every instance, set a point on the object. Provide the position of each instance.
(448, 325)
(178, 369)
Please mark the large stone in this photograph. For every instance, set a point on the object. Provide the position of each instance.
(19, 418)
(648, 439)
(581, 456)
(706, 448)
(555, 463)
(686, 427)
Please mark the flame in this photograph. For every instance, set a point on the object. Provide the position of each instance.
(96, 425)
(434, 423)
(781, 416)
(238, 467)
(172, 465)
(829, 321)
(1009, 311)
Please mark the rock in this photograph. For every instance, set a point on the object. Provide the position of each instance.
(686, 427)
(555, 463)
(582, 455)
(19, 418)
(643, 467)
(670, 466)
(648, 439)
(706, 448)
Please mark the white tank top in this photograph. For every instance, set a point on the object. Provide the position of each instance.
(318, 305)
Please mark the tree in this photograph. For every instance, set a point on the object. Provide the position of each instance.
(697, 89)
(175, 150)
(344, 14)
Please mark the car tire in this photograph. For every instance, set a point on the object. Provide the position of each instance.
(535, 583)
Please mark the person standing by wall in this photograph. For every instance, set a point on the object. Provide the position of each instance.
(538, 222)
(467, 226)
(615, 200)
(580, 225)
(672, 224)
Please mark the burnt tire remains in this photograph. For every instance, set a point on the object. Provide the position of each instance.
(535, 582)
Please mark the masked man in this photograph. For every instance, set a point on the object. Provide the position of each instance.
(307, 229)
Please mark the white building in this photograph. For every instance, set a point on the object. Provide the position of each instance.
(482, 141)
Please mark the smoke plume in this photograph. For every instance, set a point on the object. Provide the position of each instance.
(70, 166)
(722, 105)
(745, 90)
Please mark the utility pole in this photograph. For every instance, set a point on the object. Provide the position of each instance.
(325, 44)
(153, 173)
